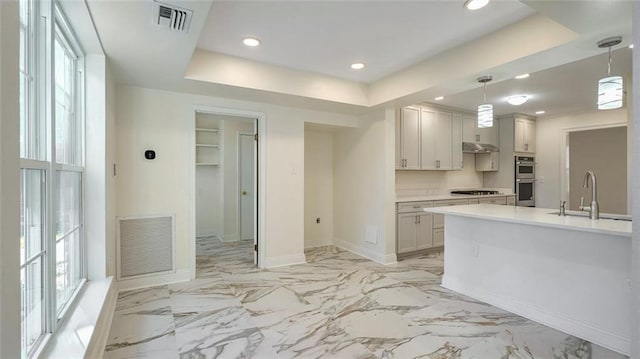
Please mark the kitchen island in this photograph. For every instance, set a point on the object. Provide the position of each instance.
(568, 272)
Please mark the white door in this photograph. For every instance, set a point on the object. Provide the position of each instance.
(530, 136)
(469, 129)
(428, 137)
(518, 138)
(456, 141)
(410, 137)
(407, 225)
(442, 140)
(246, 180)
(424, 231)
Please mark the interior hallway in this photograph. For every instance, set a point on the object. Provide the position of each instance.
(338, 305)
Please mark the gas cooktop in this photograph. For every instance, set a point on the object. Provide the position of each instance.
(476, 192)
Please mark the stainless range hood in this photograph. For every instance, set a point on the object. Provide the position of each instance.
(472, 147)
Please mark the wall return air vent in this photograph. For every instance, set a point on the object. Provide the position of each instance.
(171, 17)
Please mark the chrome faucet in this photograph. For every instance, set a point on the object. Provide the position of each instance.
(594, 209)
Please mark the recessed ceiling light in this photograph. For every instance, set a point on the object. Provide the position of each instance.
(475, 4)
(517, 100)
(631, 46)
(439, 98)
(357, 66)
(539, 112)
(251, 41)
(523, 76)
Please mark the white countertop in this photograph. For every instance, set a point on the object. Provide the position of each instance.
(536, 217)
(446, 196)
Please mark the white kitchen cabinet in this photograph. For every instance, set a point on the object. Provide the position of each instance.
(438, 237)
(469, 126)
(493, 200)
(409, 144)
(524, 136)
(424, 237)
(511, 200)
(456, 141)
(487, 161)
(471, 132)
(414, 231)
(428, 139)
(407, 229)
(436, 140)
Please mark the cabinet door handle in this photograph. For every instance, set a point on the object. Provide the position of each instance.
(415, 221)
(526, 147)
(418, 219)
(477, 138)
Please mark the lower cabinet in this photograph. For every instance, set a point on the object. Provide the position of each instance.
(414, 231)
(417, 230)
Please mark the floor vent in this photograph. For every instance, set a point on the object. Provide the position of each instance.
(171, 16)
(145, 246)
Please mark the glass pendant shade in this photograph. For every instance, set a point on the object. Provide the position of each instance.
(610, 91)
(485, 115)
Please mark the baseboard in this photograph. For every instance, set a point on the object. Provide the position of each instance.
(313, 243)
(95, 348)
(181, 275)
(230, 237)
(207, 235)
(282, 261)
(554, 320)
(368, 253)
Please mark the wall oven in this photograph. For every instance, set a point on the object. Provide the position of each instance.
(525, 167)
(525, 192)
(525, 181)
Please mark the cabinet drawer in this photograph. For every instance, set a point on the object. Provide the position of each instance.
(493, 200)
(406, 207)
(450, 202)
(438, 237)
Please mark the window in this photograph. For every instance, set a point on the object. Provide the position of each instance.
(51, 150)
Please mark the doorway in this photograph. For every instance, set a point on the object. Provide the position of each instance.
(226, 188)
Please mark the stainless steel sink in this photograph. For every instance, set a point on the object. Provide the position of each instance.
(615, 217)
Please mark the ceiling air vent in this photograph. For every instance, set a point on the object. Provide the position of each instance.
(171, 16)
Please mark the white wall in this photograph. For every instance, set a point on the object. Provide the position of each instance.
(160, 120)
(318, 188)
(363, 186)
(9, 183)
(231, 129)
(549, 139)
(410, 181)
(95, 196)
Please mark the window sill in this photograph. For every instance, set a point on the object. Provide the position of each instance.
(84, 332)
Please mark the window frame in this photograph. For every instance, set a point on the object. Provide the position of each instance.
(46, 25)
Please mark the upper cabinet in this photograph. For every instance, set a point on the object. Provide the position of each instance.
(471, 132)
(408, 146)
(524, 135)
(428, 139)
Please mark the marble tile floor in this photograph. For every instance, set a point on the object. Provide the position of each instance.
(337, 305)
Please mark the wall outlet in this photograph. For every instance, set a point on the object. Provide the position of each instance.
(318, 220)
(371, 234)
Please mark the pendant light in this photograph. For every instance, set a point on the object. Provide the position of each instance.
(485, 111)
(610, 89)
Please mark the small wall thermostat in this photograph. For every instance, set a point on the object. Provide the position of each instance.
(150, 154)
